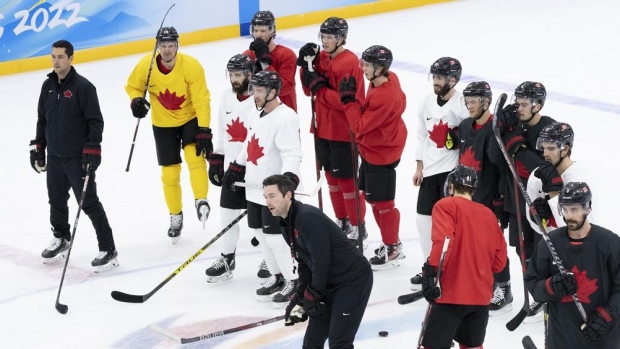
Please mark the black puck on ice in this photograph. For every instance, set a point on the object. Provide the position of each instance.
(383, 333)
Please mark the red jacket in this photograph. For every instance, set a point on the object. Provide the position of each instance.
(379, 129)
(284, 62)
(331, 120)
(477, 249)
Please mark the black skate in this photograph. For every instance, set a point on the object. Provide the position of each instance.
(416, 282)
(354, 234)
(202, 209)
(282, 298)
(222, 269)
(105, 261)
(344, 224)
(501, 303)
(55, 251)
(387, 256)
(535, 314)
(275, 284)
(263, 270)
(176, 225)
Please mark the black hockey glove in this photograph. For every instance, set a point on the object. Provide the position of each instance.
(548, 174)
(514, 141)
(347, 89)
(235, 173)
(561, 285)
(507, 119)
(261, 51)
(429, 289)
(313, 80)
(313, 306)
(293, 177)
(599, 323)
(216, 168)
(140, 107)
(542, 208)
(204, 141)
(37, 156)
(498, 208)
(91, 154)
(294, 312)
(308, 50)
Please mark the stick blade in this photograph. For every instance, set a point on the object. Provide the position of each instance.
(128, 298)
(516, 321)
(410, 298)
(61, 308)
(528, 343)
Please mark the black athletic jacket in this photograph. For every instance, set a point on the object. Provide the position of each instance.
(325, 255)
(68, 115)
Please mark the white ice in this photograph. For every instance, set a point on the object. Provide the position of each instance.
(570, 46)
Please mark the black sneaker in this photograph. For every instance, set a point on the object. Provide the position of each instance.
(56, 250)
(222, 269)
(105, 260)
(501, 302)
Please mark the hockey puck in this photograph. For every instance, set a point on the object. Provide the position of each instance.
(383, 333)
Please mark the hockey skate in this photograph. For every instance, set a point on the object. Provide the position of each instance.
(535, 314)
(416, 282)
(501, 303)
(275, 284)
(387, 256)
(56, 251)
(263, 270)
(354, 234)
(176, 225)
(282, 298)
(202, 209)
(344, 224)
(105, 261)
(222, 269)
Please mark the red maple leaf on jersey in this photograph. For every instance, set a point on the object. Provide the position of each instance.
(585, 286)
(468, 158)
(170, 101)
(439, 133)
(68, 94)
(237, 131)
(255, 151)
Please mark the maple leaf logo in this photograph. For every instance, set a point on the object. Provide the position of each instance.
(170, 101)
(439, 133)
(255, 151)
(68, 94)
(585, 286)
(237, 131)
(468, 158)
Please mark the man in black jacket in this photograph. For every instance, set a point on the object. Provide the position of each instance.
(70, 127)
(335, 278)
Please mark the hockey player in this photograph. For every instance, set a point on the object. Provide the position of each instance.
(272, 146)
(335, 278)
(468, 265)
(181, 118)
(474, 135)
(589, 253)
(271, 56)
(333, 134)
(439, 113)
(380, 133)
(70, 127)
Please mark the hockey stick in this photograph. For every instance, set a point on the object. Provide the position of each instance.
(146, 87)
(358, 205)
(410, 297)
(528, 343)
(132, 298)
(316, 189)
(444, 250)
(185, 340)
(63, 308)
(314, 133)
(534, 213)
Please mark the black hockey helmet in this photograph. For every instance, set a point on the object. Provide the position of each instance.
(240, 62)
(447, 66)
(478, 89)
(534, 91)
(558, 133)
(269, 79)
(379, 56)
(336, 26)
(264, 18)
(167, 34)
(461, 175)
(575, 193)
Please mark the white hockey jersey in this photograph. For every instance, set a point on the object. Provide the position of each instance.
(232, 125)
(574, 173)
(273, 146)
(434, 119)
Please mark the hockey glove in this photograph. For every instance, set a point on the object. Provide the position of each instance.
(498, 208)
(261, 51)
(91, 154)
(452, 138)
(561, 285)
(347, 89)
(514, 141)
(599, 324)
(507, 119)
(542, 208)
(293, 177)
(204, 143)
(313, 306)
(429, 279)
(313, 80)
(235, 173)
(37, 156)
(294, 312)
(308, 50)
(216, 168)
(548, 174)
(140, 107)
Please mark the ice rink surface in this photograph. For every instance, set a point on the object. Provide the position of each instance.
(570, 46)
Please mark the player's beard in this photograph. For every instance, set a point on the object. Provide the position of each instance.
(241, 88)
(443, 91)
(574, 225)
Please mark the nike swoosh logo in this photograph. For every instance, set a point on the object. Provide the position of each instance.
(346, 314)
(228, 112)
(462, 141)
(266, 226)
(368, 194)
(336, 170)
(50, 91)
(152, 85)
(429, 118)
